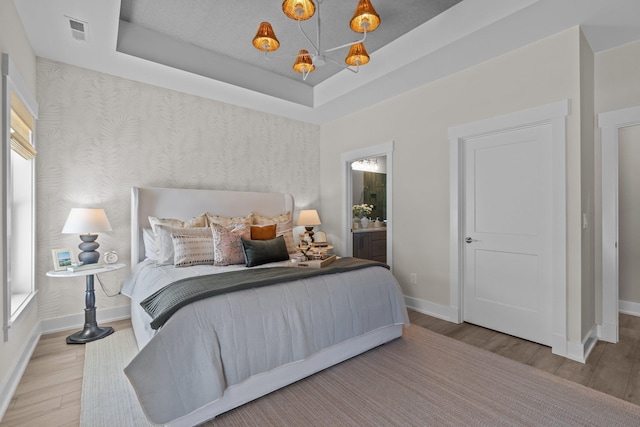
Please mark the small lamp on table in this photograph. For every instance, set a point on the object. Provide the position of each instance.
(309, 218)
(87, 222)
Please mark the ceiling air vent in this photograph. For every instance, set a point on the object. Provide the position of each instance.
(79, 29)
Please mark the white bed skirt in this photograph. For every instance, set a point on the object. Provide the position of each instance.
(266, 382)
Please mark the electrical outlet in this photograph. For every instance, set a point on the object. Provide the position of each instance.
(413, 278)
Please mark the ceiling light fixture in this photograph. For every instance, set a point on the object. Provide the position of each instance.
(366, 165)
(364, 20)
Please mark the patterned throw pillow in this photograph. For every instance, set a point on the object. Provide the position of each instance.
(197, 221)
(226, 221)
(284, 227)
(192, 250)
(227, 246)
(164, 241)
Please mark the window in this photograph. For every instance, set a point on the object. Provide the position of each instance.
(18, 144)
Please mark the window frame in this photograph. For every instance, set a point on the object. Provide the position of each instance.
(13, 84)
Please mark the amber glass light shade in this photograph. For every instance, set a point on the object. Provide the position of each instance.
(357, 55)
(265, 38)
(303, 62)
(365, 13)
(299, 9)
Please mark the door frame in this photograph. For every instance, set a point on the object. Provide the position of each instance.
(551, 114)
(384, 149)
(610, 124)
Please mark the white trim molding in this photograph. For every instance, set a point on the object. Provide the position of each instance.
(629, 307)
(551, 114)
(8, 388)
(610, 124)
(432, 309)
(68, 323)
(580, 352)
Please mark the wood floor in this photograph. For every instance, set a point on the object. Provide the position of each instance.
(49, 392)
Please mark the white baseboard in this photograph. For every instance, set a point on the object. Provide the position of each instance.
(66, 323)
(580, 352)
(19, 365)
(628, 307)
(443, 312)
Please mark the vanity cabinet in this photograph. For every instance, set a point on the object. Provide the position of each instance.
(370, 244)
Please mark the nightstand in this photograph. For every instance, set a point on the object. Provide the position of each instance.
(91, 331)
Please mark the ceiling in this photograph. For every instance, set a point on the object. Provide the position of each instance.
(204, 47)
(220, 30)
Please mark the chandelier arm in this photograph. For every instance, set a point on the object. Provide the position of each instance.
(266, 55)
(348, 44)
(346, 67)
(315, 49)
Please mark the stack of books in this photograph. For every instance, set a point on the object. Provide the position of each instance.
(83, 267)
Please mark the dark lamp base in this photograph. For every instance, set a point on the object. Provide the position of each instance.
(89, 255)
(310, 233)
(89, 333)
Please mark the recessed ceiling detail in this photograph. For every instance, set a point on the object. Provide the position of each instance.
(204, 48)
(214, 40)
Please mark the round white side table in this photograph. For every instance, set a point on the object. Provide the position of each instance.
(91, 330)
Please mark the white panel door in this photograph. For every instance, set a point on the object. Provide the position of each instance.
(508, 226)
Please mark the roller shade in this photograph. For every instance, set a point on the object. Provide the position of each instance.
(21, 129)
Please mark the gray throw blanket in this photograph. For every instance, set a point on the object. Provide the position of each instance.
(165, 302)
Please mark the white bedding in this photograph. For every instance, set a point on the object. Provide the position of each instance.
(148, 277)
(219, 342)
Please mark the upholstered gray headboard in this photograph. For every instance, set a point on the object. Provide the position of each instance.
(183, 204)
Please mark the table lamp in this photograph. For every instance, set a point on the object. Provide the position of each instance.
(309, 218)
(87, 222)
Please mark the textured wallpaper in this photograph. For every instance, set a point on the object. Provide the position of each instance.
(99, 135)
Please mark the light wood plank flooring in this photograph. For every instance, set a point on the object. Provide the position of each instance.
(50, 389)
(49, 392)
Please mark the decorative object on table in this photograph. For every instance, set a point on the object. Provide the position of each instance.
(62, 258)
(82, 267)
(361, 211)
(364, 222)
(309, 218)
(319, 263)
(365, 19)
(305, 246)
(110, 257)
(320, 239)
(87, 222)
(377, 223)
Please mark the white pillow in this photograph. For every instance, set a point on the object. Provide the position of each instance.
(149, 240)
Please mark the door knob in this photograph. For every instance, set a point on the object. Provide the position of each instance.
(470, 240)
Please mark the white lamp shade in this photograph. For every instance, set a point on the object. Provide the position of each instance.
(86, 221)
(309, 218)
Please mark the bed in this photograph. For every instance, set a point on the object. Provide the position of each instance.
(219, 352)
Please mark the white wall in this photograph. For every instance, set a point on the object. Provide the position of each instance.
(587, 129)
(13, 41)
(543, 72)
(100, 135)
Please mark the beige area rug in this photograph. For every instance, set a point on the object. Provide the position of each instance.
(421, 379)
